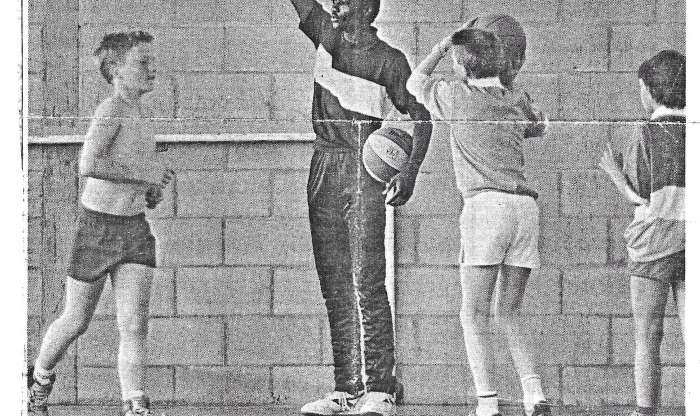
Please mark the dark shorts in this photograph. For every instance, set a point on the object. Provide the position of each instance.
(667, 269)
(104, 241)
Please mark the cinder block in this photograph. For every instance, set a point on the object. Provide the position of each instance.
(525, 11)
(289, 194)
(418, 11)
(99, 345)
(544, 91)
(270, 156)
(34, 293)
(618, 251)
(35, 59)
(204, 11)
(273, 340)
(204, 95)
(223, 291)
(631, 45)
(601, 97)
(438, 160)
(588, 11)
(591, 193)
(566, 48)
(255, 12)
(566, 146)
(429, 34)
(569, 241)
(405, 237)
(596, 386)
(36, 10)
(129, 11)
(295, 54)
(301, 384)
(297, 291)
(94, 89)
(223, 385)
(401, 36)
(195, 48)
(215, 194)
(292, 96)
(543, 293)
(572, 340)
(186, 341)
(435, 384)
(188, 242)
(430, 341)
(672, 351)
(162, 302)
(673, 386)
(195, 156)
(438, 240)
(434, 195)
(428, 291)
(597, 291)
(101, 385)
(547, 185)
(34, 194)
(35, 95)
(671, 11)
(276, 242)
(66, 379)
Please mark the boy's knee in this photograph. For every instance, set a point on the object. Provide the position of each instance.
(135, 326)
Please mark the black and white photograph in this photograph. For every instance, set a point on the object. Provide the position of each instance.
(354, 207)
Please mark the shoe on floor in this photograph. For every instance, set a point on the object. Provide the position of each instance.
(137, 407)
(375, 403)
(333, 403)
(38, 394)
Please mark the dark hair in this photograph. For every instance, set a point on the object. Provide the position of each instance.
(484, 52)
(664, 75)
(114, 46)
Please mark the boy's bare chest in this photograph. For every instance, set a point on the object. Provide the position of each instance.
(135, 136)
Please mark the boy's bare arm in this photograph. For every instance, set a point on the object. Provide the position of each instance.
(303, 7)
(97, 161)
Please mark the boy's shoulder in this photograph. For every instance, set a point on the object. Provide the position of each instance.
(111, 107)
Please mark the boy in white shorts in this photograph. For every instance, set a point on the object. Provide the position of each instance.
(500, 219)
(122, 178)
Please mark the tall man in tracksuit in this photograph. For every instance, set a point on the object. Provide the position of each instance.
(359, 81)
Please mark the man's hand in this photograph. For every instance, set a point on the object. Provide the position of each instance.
(609, 164)
(400, 188)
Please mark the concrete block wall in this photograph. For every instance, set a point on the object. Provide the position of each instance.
(237, 314)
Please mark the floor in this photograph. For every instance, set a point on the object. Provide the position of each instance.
(286, 410)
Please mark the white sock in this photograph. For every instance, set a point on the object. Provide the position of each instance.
(487, 404)
(42, 376)
(137, 397)
(532, 392)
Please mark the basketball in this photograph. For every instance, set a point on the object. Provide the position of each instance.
(385, 152)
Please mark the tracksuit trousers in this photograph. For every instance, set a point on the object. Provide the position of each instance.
(347, 216)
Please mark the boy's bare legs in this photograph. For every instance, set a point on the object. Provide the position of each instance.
(649, 299)
(132, 288)
(478, 283)
(80, 302)
(509, 299)
(678, 289)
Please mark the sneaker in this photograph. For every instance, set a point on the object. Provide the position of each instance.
(137, 407)
(541, 409)
(38, 394)
(375, 403)
(334, 403)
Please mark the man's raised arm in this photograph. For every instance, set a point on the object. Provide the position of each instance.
(303, 7)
